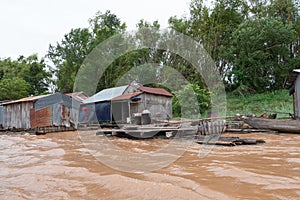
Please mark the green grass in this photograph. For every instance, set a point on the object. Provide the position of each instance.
(272, 102)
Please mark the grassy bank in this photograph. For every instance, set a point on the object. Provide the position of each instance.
(277, 101)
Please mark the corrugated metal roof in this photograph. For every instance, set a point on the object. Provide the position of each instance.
(26, 99)
(79, 96)
(106, 94)
(158, 91)
(126, 96)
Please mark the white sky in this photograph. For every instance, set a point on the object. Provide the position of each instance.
(29, 26)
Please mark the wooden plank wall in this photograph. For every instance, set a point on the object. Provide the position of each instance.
(297, 97)
(159, 106)
(17, 115)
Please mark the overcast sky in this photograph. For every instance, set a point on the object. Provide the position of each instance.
(29, 26)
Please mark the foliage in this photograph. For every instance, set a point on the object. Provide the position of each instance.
(277, 101)
(68, 55)
(254, 43)
(259, 54)
(218, 27)
(23, 77)
(191, 101)
(14, 88)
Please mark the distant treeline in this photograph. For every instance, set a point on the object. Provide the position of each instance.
(254, 43)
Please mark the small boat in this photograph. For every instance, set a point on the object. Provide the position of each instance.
(280, 125)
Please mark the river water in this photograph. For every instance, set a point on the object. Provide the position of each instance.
(59, 166)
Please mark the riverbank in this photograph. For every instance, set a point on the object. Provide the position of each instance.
(273, 102)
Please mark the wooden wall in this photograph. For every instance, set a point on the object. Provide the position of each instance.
(297, 97)
(17, 115)
(159, 106)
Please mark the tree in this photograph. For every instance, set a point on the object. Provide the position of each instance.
(259, 54)
(23, 77)
(68, 55)
(191, 101)
(14, 88)
(36, 74)
(212, 27)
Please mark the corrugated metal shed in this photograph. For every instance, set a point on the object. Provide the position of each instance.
(106, 94)
(1, 115)
(293, 83)
(64, 109)
(119, 103)
(16, 114)
(41, 111)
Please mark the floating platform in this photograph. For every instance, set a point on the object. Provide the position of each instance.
(151, 131)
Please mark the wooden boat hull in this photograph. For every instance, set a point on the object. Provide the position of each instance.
(280, 125)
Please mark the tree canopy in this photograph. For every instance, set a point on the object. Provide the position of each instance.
(23, 77)
(254, 44)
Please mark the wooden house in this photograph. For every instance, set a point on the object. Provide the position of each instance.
(1, 116)
(119, 104)
(293, 83)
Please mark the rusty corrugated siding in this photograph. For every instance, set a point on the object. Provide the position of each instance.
(40, 118)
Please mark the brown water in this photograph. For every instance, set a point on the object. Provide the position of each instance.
(58, 166)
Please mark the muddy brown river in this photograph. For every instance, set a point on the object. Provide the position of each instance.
(59, 166)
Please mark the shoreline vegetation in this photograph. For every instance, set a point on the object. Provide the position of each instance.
(277, 101)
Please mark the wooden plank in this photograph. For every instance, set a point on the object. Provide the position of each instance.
(250, 130)
(229, 141)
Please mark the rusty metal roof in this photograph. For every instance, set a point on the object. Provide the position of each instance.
(79, 96)
(126, 96)
(26, 99)
(158, 91)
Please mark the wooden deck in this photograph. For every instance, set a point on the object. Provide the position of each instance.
(151, 131)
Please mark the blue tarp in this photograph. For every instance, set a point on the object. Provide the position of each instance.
(98, 112)
(103, 111)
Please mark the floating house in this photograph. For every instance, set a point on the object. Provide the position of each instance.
(56, 112)
(119, 104)
(1, 116)
(293, 83)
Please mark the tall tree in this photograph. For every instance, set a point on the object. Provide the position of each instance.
(68, 55)
(259, 54)
(23, 77)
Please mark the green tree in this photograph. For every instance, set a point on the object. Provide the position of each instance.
(36, 73)
(14, 88)
(23, 77)
(191, 101)
(68, 55)
(211, 26)
(259, 54)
